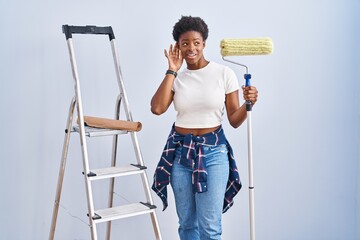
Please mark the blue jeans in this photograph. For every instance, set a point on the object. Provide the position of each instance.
(200, 213)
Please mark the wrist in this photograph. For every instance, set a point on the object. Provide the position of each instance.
(172, 72)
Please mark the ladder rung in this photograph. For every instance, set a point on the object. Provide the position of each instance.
(124, 211)
(97, 132)
(103, 173)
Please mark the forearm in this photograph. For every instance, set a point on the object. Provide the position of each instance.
(238, 116)
(163, 96)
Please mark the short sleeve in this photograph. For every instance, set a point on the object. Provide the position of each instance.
(231, 81)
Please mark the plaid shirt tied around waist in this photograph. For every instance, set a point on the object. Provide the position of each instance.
(191, 157)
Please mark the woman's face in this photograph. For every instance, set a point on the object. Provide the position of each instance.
(191, 44)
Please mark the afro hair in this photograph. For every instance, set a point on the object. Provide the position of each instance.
(189, 23)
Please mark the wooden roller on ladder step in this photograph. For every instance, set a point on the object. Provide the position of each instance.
(107, 123)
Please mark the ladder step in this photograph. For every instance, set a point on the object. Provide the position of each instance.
(98, 132)
(110, 172)
(124, 211)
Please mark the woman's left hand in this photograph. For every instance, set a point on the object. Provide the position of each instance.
(250, 94)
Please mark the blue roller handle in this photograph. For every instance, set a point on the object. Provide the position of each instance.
(247, 84)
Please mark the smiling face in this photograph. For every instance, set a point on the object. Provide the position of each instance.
(192, 44)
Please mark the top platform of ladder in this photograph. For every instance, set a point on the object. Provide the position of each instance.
(69, 30)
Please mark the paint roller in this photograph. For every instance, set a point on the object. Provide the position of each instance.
(247, 47)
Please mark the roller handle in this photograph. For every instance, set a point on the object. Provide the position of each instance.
(247, 84)
(69, 30)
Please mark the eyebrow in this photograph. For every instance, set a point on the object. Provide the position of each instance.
(189, 40)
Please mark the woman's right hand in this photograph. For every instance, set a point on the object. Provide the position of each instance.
(174, 57)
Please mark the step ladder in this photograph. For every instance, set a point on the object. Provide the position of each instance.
(112, 212)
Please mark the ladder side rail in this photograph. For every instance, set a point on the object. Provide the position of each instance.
(134, 136)
(120, 81)
(125, 99)
(82, 139)
(129, 117)
(154, 220)
(143, 175)
(156, 226)
(62, 168)
(113, 164)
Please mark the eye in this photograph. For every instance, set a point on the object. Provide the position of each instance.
(184, 44)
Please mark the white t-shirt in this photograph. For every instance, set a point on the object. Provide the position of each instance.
(199, 95)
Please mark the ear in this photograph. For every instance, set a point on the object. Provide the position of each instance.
(177, 45)
(204, 43)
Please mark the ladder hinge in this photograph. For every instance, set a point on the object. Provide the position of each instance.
(90, 174)
(139, 166)
(95, 217)
(149, 205)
